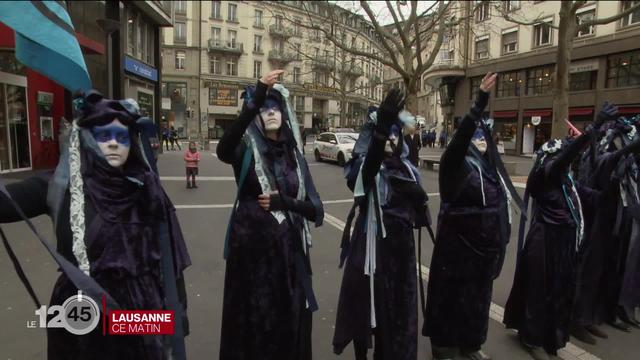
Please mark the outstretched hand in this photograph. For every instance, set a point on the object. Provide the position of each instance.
(608, 112)
(488, 82)
(271, 78)
(392, 104)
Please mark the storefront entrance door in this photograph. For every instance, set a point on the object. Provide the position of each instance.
(14, 125)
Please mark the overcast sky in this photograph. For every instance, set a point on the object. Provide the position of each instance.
(380, 9)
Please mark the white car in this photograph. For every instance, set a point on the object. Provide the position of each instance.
(334, 146)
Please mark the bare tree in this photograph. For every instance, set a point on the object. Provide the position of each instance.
(568, 27)
(404, 49)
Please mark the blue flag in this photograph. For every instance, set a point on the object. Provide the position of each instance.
(46, 41)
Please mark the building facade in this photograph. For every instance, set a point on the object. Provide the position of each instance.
(119, 41)
(239, 41)
(605, 67)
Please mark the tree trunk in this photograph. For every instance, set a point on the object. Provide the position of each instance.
(566, 32)
(411, 104)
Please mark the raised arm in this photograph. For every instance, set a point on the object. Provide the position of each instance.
(452, 161)
(230, 141)
(29, 194)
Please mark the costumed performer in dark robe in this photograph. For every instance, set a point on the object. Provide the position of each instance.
(472, 234)
(541, 299)
(378, 296)
(608, 288)
(116, 229)
(268, 299)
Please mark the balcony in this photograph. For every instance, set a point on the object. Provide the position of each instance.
(226, 47)
(352, 70)
(442, 68)
(323, 62)
(280, 31)
(282, 56)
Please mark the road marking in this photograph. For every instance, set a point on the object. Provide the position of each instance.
(496, 312)
(214, 155)
(519, 185)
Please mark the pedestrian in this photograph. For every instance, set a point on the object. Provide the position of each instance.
(378, 296)
(424, 138)
(411, 138)
(115, 229)
(541, 299)
(166, 136)
(473, 230)
(303, 134)
(608, 282)
(443, 139)
(174, 139)
(268, 297)
(192, 159)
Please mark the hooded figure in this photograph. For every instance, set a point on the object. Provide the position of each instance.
(609, 272)
(379, 288)
(117, 232)
(539, 306)
(268, 298)
(472, 234)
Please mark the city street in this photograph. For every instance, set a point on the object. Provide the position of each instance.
(203, 215)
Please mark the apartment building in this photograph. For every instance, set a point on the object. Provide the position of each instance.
(605, 66)
(216, 48)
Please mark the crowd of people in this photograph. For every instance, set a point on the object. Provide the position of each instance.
(577, 267)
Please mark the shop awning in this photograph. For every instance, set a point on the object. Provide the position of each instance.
(629, 110)
(538, 112)
(581, 111)
(505, 114)
(89, 46)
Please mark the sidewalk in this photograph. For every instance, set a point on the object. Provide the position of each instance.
(517, 166)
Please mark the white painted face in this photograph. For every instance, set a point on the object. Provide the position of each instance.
(480, 144)
(272, 118)
(393, 139)
(114, 141)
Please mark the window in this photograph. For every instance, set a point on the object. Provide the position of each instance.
(316, 53)
(482, 10)
(510, 42)
(482, 48)
(215, 66)
(257, 44)
(539, 80)
(475, 86)
(278, 20)
(623, 69)
(632, 18)
(180, 58)
(297, 50)
(232, 68)
(232, 36)
(131, 35)
(215, 9)
(299, 103)
(585, 80)
(257, 21)
(279, 46)
(586, 16)
(216, 35)
(232, 14)
(141, 38)
(181, 7)
(511, 5)
(542, 34)
(296, 27)
(296, 75)
(508, 84)
(257, 69)
(179, 32)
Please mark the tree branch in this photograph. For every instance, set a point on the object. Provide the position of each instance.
(610, 19)
(396, 22)
(436, 48)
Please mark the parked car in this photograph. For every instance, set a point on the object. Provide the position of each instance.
(334, 146)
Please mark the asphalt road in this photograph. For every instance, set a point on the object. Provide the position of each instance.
(203, 215)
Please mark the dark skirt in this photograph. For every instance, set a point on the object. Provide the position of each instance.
(132, 293)
(395, 295)
(264, 312)
(540, 303)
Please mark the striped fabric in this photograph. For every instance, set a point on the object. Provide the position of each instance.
(46, 41)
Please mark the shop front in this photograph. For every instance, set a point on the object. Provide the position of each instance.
(140, 83)
(505, 129)
(580, 117)
(536, 129)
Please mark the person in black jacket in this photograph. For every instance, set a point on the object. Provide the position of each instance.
(268, 295)
(473, 230)
(111, 218)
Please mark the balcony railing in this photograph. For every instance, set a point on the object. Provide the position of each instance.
(280, 31)
(352, 70)
(323, 62)
(282, 56)
(230, 47)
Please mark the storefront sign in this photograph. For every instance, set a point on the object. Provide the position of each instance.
(166, 103)
(145, 101)
(45, 98)
(138, 68)
(583, 66)
(320, 89)
(535, 120)
(221, 94)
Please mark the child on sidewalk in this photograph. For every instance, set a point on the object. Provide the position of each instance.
(191, 158)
